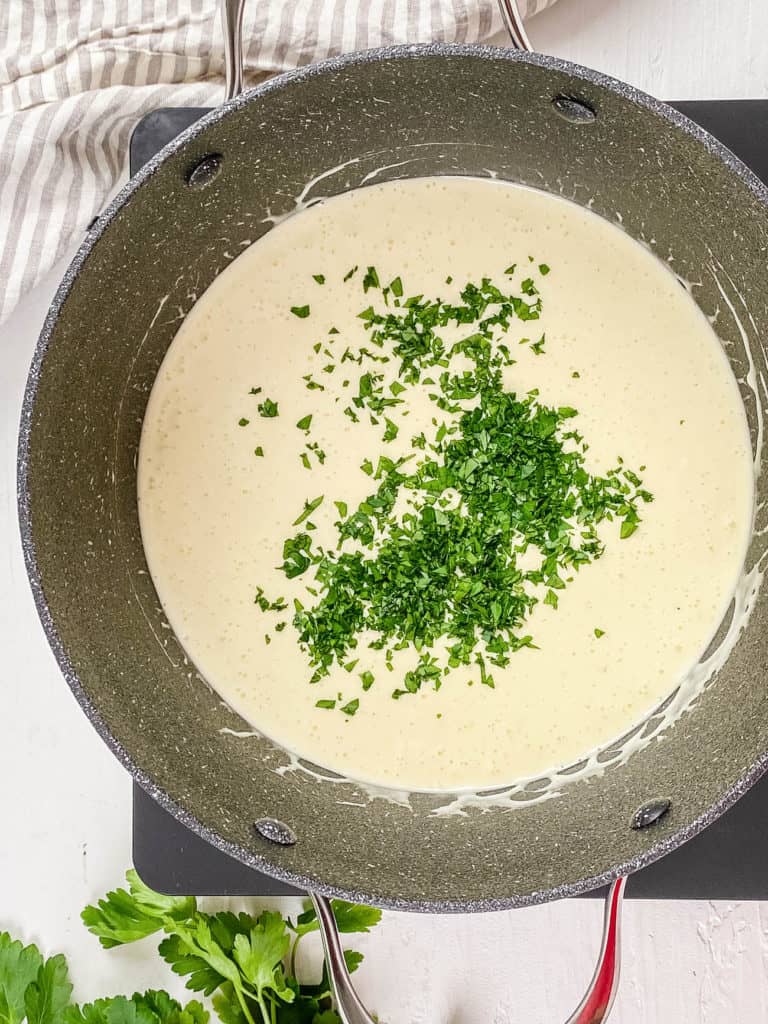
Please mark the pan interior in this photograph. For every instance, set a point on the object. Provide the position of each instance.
(315, 134)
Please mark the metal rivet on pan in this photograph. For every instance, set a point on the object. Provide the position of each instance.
(574, 111)
(275, 831)
(204, 171)
(650, 813)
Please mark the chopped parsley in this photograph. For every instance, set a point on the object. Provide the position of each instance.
(266, 605)
(268, 409)
(320, 278)
(317, 451)
(302, 312)
(243, 422)
(536, 346)
(367, 679)
(391, 431)
(309, 508)
(491, 513)
(371, 279)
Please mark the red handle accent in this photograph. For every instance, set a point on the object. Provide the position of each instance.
(596, 1004)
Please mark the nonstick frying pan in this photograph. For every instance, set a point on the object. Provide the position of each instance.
(439, 110)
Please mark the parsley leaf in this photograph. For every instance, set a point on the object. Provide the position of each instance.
(47, 997)
(19, 967)
(151, 1007)
(260, 954)
(126, 916)
(350, 917)
(302, 312)
(192, 951)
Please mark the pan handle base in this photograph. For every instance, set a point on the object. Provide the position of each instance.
(593, 1008)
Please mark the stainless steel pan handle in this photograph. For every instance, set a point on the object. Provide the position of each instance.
(232, 23)
(348, 1004)
(593, 1008)
(513, 22)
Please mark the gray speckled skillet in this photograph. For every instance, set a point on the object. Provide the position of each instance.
(466, 110)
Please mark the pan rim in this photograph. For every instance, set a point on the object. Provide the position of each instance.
(401, 52)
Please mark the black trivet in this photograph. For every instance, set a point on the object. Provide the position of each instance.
(727, 861)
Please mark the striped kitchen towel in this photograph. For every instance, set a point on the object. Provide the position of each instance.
(76, 76)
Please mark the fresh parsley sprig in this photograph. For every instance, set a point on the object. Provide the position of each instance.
(38, 991)
(246, 963)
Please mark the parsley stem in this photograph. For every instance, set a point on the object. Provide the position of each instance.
(263, 1007)
(293, 955)
(246, 1011)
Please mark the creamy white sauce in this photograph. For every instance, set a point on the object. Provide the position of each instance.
(653, 387)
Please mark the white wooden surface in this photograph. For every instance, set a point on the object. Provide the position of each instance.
(65, 803)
